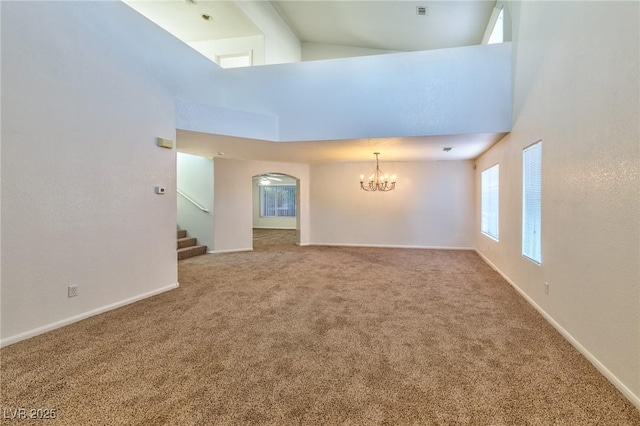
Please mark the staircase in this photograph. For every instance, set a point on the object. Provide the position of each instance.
(187, 246)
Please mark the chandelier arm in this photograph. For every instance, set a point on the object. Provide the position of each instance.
(366, 188)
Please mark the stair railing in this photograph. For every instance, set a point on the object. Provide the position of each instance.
(192, 201)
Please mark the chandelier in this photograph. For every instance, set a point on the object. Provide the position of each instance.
(378, 180)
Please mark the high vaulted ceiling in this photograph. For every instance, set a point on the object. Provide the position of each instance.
(388, 25)
(392, 25)
(375, 24)
(184, 18)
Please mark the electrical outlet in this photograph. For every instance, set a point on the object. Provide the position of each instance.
(546, 287)
(72, 290)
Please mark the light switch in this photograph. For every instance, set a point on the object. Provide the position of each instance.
(160, 190)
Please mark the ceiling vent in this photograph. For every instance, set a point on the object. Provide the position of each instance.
(421, 10)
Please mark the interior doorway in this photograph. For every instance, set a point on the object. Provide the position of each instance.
(275, 210)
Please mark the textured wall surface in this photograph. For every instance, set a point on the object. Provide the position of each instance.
(448, 91)
(79, 166)
(577, 90)
(432, 205)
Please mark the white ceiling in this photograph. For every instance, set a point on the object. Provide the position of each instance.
(184, 19)
(374, 24)
(464, 147)
(388, 25)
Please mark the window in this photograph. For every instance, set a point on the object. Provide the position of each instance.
(490, 187)
(278, 201)
(532, 201)
(497, 34)
(235, 60)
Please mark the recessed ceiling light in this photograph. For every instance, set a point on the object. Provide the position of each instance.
(206, 17)
(447, 149)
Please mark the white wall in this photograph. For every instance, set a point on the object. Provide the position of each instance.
(225, 121)
(194, 177)
(432, 205)
(233, 200)
(438, 92)
(281, 46)
(212, 49)
(320, 51)
(271, 222)
(577, 89)
(448, 91)
(79, 166)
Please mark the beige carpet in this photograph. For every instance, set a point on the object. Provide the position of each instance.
(264, 238)
(315, 335)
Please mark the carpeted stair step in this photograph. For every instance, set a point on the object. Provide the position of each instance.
(188, 246)
(187, 242)
(187, 252)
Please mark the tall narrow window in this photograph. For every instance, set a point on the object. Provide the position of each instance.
(532, 202)
(489, 199)
(497, 34)
(278, 201)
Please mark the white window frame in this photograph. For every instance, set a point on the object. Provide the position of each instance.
(494, 32)
(497, 34)
(490, 202)
(532, 202)
(235, 60)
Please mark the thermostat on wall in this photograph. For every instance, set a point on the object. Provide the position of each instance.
(160, 190)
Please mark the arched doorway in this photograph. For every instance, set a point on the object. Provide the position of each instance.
(276, 207)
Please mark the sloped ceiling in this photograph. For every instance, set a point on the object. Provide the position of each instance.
(184, 19)
(388, 25)
(385, 25)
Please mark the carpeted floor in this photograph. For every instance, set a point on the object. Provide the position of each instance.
(265, 238)
(316, 335)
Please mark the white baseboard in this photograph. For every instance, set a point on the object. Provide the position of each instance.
(390, 246)
(634, 399)
(230, 250)
(79, 317)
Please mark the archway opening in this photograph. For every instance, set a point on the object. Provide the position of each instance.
(276, 207)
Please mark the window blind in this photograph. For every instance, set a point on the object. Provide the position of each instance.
(532, 202)
(489, 204)
(278, 201)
